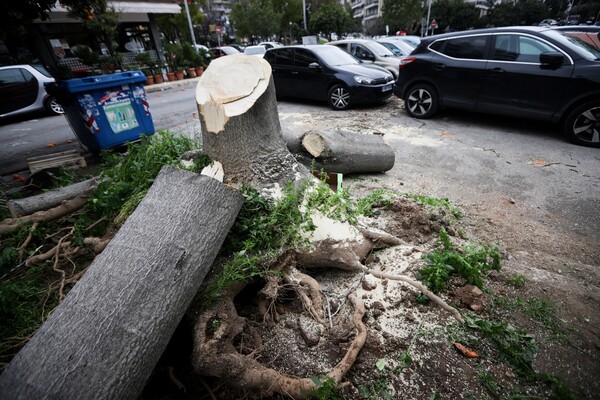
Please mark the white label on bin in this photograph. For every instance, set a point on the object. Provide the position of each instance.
(121, 116)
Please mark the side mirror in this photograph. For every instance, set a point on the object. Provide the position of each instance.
(552, 59)
(315, 65)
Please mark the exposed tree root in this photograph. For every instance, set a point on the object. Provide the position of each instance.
(309, 291)
(215, 354)
(26, 242)
(66, 208)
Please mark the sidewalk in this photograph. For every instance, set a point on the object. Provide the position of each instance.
(158, 87)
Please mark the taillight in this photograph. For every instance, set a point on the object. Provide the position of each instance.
(406, 60)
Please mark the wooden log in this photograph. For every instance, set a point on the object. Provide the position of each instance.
(240, 123)
(50, 199)
(342, 151)
(104, 339)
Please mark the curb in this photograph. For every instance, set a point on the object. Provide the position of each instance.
(159, 87)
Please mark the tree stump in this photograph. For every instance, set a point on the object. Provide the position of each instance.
(104, 339)
(240, 123)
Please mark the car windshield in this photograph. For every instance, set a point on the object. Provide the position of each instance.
(380, 50)
(585, 49)
(334, 56)
(255, 50)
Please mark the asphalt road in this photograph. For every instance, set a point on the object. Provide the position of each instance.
(472, 159)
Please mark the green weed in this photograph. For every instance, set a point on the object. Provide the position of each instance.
(327, 389)
(517, 280)
(539, 310)
(434, 202)
(471, 262)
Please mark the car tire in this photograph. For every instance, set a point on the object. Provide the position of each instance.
(421, 101)
(53, 107)
(338, 97)
(582, 125)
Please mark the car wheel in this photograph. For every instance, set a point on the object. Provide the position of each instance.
(582, 126)
(53, 107)
(338, 97)
(422, 101)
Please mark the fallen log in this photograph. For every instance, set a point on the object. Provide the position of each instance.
(104, 339)
(342, 151)
(50, 199)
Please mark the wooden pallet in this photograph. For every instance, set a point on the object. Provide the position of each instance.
(70, 159)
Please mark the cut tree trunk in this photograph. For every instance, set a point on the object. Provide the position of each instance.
(50, 199)
(342, 151)
(240, 123)
(105, 338)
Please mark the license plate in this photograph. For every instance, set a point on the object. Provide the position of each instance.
(386, 88)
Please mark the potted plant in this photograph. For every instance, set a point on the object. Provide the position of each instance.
(146, 63)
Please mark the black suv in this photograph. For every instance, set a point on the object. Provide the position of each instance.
(529, 72)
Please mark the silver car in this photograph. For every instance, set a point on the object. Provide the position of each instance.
(22, 90)
(370, 51)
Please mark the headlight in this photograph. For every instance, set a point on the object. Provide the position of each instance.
(363, 80)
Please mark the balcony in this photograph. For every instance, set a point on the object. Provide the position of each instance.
(358, 3)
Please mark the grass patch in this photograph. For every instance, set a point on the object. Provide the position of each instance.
(539, 310)
(472, 262)
(517, 281)
(435, 202)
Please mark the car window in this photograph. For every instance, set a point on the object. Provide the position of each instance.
(333, 56)
(304, 58)
(520, 48)
(361, 52)
(343, 46)
(380, 49)
(469, 47)
(284, 57)
(394, 49)
(12, 76)
(42, 70)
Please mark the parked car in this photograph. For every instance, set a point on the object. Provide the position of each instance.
(409, 39)
(223, 51)
(258, 51)
(270, 45)
(398, 47)
(530, 72)
(22, 90)
(589, 34)
(368, 50)
(327, 73)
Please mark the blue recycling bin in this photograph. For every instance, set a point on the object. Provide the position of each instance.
(106, 111)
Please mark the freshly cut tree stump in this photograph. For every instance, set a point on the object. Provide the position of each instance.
(50, 199)
(342, 151)
(240, 126)
(104, 339)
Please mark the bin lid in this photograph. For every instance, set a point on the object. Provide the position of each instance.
(102, 81)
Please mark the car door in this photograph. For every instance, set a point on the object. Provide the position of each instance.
(18, 89)
(311, 81)
(458, 69)
(517, 83)
(282, 66)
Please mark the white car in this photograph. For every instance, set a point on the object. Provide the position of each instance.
(270, 45)
(398, 47)
(22, 90)
(369, 51)
(258, 51)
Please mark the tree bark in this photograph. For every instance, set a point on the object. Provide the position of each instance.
(240, 123)
(104, 339)
(342, 151)
(50, 199)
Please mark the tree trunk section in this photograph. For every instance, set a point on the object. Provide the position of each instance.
(50, 199)
(104, 339)
(240, 123)
(342, 152)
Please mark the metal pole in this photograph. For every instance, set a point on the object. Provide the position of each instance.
(304, 12)
(428, 15)
(187, 11)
